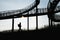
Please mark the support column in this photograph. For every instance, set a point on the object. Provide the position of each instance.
(12, 24)
(28, 23)
(36, 18)
(36, 22)
(49, 22)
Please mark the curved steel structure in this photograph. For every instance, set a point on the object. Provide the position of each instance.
(14, 13)
(50, 11)
(51, 8)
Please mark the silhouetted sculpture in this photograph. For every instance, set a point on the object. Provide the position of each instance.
(19, 25)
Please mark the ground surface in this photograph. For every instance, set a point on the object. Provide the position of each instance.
(17, 35)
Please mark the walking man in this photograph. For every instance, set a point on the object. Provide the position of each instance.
(19, 25)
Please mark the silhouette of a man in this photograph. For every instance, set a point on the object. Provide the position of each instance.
(19, 25)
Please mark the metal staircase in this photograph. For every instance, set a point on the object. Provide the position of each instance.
(41, 11)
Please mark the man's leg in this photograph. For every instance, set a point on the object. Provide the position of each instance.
(19, 29)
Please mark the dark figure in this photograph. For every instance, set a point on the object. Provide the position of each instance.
(19, 25)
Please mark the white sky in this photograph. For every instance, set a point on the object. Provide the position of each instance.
(20, 4)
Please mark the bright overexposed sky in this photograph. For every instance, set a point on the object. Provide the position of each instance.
(20, 4)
